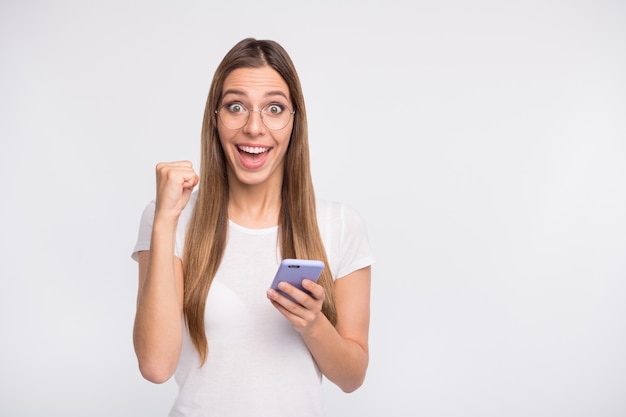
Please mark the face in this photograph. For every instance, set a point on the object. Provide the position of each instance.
(255, 154)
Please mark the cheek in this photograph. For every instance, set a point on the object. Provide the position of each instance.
(283, 143)
(285, 136)
(225, 136)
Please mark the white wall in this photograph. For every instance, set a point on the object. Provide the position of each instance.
(484, 143)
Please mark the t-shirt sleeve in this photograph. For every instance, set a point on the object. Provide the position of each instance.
(145, 230)
(355, 248)
(345, 238)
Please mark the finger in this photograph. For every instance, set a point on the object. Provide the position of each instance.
(301, 303)
(166, 168)
(316, 290)
(190, 182)
(181, 163)
(293, 311)
(282, 296)
(292, 291)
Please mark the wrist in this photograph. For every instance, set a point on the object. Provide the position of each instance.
(164, 224)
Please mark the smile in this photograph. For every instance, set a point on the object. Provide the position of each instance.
(255, 150)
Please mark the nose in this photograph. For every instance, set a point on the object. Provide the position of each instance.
(254, 125)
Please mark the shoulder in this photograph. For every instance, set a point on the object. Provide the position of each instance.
(337, 212)
(340, 222)
(345, 237)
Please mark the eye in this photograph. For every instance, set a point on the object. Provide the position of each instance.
(235, 108)
(274, 109)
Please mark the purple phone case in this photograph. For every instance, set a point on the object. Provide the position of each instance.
(294, 271)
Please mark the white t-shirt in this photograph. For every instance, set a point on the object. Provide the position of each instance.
(257, 364)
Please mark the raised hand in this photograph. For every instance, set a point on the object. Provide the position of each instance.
(175, 182)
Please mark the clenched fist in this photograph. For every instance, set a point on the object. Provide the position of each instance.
(175, 182)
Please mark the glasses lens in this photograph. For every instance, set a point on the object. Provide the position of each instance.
(233, 117)
(275, 117)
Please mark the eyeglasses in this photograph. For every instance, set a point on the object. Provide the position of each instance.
(235, 116)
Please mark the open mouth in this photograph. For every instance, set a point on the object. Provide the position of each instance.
(253, 157)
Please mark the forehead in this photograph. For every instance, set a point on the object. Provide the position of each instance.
(260, 81)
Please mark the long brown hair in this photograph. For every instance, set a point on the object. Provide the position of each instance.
(299, 235)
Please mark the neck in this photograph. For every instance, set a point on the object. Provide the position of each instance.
(255, 207)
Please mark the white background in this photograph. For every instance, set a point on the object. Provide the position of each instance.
(483, 142)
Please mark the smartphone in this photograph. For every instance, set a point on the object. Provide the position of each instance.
(294, 271)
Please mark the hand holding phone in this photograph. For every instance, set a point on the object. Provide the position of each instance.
(294, 271)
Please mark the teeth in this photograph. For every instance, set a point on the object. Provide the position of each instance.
(253, 149)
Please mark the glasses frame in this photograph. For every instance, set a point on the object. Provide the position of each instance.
(217, 112)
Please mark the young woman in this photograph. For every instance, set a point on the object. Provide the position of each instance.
(207, 256)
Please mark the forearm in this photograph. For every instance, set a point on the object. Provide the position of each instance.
(343, 361)
(158, 322)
